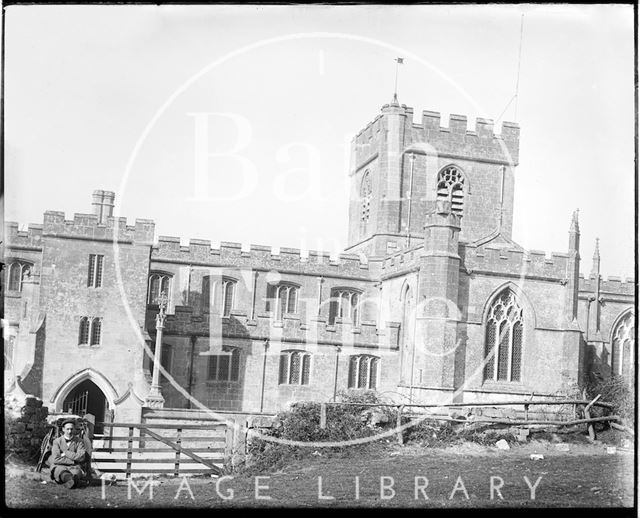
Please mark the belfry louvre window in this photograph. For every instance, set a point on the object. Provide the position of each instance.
(365, 201)
(94, 277)
(90, 332)
(224, 367)
(344, 304)
(17, 272)
(159, 283)
(451, 187)
(503, 339)
(227, 287)
(294, 368)
(281, 299)
(622, 346)
(363, 372)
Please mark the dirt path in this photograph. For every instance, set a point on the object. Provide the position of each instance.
(579, 478)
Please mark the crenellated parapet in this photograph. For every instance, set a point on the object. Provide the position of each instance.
(612, 285)
(228, 254)
(399, 262)
(532, 263)
(291, 329)
(454, 140)
(30, 239)
(87, 226)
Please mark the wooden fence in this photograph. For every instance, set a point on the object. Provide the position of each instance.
(575, 403)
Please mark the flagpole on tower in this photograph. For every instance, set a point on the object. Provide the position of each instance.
(399, 61)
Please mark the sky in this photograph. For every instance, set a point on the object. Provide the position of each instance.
(117, 97)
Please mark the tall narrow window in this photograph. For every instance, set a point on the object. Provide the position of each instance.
(83, 334)
(281, 299)
(365, 201)
(224, 367)
(228, 288)
(503, 339)
(17, 272)
(451, 188)
(158, 283)
(345, 305)
(94, 277)
(622, 346)
(96, 331)
(294, 368)
(363, 372)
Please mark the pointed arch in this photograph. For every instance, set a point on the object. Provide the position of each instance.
(452, 184)
(622, 342)
(504, 320)
(85, 374)
(530, 314)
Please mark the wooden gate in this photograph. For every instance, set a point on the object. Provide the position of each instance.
(148, 448)
(78, 405)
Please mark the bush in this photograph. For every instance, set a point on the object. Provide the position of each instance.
(302, 423)
(430, 433)
(617, 390)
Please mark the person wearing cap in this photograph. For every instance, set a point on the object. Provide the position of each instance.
(67, 455)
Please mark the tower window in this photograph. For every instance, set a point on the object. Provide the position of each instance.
(17, 272)
(344, 304)
(90, 332)
(503, 339)
(365, 201)
(451, 188)
(94, 278)
(363, 372)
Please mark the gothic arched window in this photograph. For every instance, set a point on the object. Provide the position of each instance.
(365, 201)
(158, 283)
(503, 339)
(622, 342)
(227, 287)
(344, 304)
(17, 272)
(451, 188)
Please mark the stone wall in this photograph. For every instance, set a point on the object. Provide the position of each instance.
(25, 426)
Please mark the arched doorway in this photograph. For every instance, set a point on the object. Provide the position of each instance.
(87, 398)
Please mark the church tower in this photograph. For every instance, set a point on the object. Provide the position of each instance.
(399, 169)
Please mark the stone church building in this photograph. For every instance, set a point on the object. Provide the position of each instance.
(432, 300)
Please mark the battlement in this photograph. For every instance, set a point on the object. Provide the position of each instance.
(455, 140)
(258, 256)
(516, 262)
(30, 238)
(290, 329)
(611, 284)
(87, 226)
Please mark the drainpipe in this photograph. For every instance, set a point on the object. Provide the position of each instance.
(264, 370)
(194, 339)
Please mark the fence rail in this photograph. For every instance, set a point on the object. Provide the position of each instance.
(182, 459)
(400, 408)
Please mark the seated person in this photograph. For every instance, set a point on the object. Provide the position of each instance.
(68, 454)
